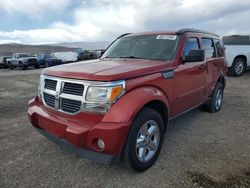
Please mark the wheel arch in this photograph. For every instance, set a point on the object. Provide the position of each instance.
(128, 107)
(244, 57)
(222, 79)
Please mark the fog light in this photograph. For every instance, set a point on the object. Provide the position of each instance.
(100, 144)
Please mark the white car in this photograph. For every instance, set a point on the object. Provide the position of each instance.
(237, 53)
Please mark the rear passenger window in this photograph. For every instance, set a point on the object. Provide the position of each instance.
(191, 44)
(208, 46)
(219, 48)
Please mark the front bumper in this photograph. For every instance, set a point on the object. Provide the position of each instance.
(79, 133)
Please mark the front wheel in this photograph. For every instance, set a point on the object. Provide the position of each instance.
(22, 66)
(37, 66)
(144, 140)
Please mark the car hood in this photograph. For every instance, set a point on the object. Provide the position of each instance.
(108, 69)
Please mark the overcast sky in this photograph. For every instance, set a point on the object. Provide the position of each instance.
(53, 21)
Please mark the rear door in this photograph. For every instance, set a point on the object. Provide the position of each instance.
(190, 80)
(212, 62)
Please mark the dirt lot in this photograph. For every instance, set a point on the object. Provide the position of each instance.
(200, 149)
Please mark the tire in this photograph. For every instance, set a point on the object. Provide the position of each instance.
(11, 66)
(37, 66)
(22, 66)
(238, 67)
(46, 64)
(215, 103)
(1, 66)
(141, 157)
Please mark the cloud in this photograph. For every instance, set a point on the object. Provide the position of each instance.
(33, 8)
(106, 19)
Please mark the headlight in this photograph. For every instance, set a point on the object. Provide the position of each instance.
(99, 98)
(103, 94)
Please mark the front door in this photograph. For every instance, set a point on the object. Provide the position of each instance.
(190, 80)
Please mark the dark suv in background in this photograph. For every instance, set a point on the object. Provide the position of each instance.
(4, 60)
(48, 60)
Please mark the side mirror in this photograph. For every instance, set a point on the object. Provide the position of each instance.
(194, 56)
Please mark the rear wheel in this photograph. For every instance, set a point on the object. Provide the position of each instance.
(238, 68)
(11, 66)
(144, 140)
(214, 105)
(1, 66)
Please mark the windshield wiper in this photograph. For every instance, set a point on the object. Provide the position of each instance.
(131, 57)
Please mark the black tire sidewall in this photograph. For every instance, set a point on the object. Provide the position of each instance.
(130, 157)
(218, 87)
(22, 66)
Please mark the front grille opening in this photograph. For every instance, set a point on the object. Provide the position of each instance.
(50, 84)
(49, 100)
(70, 106)
(73, 89)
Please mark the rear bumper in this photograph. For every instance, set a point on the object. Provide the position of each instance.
(79, 133)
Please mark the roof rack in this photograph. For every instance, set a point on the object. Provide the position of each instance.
(123, 35)
(185, 30)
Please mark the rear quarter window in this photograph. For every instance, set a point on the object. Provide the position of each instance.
(219, 48)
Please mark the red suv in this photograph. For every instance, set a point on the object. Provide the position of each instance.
(119, 106)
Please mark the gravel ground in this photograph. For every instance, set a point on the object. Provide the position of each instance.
(200, 149)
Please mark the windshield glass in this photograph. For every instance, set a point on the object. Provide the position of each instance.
(154, 47)
(24, 55)
(48, 56)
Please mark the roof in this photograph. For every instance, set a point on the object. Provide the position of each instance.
(181, 31)
(185, 30)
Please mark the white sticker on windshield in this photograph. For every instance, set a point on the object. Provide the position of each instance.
(166, 37)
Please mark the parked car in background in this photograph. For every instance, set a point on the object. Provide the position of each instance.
(88, 54)
(24, 60)
(66, 57)
(4, 60)
(48, 60)
(237, 53)
(119, 106)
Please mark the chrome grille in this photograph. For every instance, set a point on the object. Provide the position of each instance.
(73, 89)
(50, 84)
(62, 94)
(49, 99)
(69, 95)
(70, 106)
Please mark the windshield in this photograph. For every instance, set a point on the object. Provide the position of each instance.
(24, 55)
(48, 56)
(153, 47)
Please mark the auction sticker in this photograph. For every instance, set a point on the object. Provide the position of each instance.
(166, 37)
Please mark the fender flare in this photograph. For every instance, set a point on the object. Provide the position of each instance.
(128, 106)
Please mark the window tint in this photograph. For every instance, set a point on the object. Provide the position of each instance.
(219, 48)
(191, 44)
(208, 46)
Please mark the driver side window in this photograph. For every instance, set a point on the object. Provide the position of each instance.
(191, 44)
